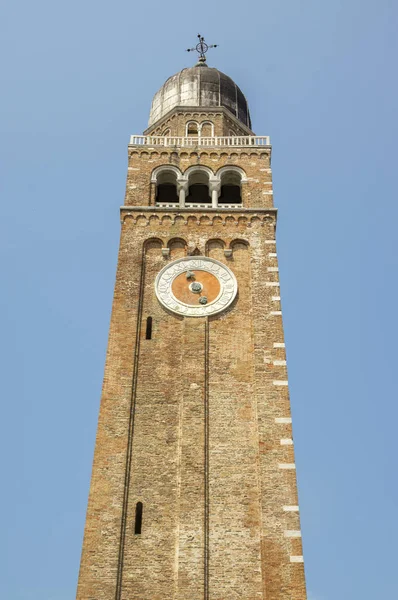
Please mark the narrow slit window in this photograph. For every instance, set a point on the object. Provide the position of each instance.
(138, 518)
(148, 332)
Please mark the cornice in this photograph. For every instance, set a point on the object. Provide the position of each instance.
(154, 215)
(221, 212)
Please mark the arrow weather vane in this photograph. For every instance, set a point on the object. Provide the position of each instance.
(201, 48)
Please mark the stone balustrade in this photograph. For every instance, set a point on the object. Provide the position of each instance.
(196, 205)
(198, 141)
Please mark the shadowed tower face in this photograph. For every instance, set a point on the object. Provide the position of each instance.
(193, 493)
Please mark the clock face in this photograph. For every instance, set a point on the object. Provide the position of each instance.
(196, 286)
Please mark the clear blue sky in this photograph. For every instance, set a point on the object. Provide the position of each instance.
(321, 79)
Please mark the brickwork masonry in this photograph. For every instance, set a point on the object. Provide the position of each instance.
(195, 422)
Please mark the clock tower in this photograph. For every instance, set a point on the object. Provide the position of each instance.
(193, 493)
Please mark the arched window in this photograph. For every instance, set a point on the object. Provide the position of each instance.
(166, 132)
(207, 129)
(198, 187)
(192, 129)
(138, 518)
(230, 188)
(166, 187)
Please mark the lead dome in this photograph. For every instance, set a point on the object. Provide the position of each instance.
(200, 86)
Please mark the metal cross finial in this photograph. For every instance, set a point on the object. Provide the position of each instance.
(201, 48)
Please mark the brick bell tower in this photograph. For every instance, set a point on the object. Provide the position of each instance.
(193, 493)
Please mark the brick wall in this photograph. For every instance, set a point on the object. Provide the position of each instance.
(195, 422)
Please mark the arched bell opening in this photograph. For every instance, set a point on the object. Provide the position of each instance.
(192, 129)
(231, 191)
(198, 188)
(166, 187)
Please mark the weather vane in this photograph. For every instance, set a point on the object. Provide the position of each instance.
(201, 48)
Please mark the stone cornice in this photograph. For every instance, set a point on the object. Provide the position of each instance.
(248, 217)
(178, 210)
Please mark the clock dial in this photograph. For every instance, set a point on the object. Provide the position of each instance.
(189, 289)
(196, 287)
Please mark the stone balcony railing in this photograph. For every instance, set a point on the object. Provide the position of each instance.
(181, 142)
(194, 205)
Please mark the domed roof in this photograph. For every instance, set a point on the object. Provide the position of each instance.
(200, 86)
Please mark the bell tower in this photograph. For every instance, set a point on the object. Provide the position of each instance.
(193, 493)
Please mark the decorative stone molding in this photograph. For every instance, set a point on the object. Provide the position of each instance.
(233, 168)
(160, 216)
(163, 168)
(200, 152)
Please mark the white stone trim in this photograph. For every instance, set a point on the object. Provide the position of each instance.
(272, 284)
(269, 241)
(287, 466)
(275, 298)
(206, 123)
(286, 442)
(156, 172)
(297, 559)
(272, 269)
(272, 254)
(284, 420)
(292, 533)
(192, 122)
(279, 344)
(291, 508)
(234, 168)
(279, 363)
(202, 168)
(276, 313)
(280, 382)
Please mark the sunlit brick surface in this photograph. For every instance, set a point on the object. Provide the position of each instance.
(191, 422)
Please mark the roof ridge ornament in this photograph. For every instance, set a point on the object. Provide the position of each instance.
(201, 48)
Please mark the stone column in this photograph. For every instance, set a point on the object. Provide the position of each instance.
(182, 189)
(215, 188)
